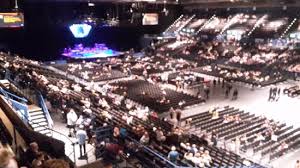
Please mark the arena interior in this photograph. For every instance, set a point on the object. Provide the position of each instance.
(149, 84)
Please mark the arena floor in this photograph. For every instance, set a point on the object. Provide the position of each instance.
(255, 101)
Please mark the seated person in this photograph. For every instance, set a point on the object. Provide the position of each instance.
(7, 159)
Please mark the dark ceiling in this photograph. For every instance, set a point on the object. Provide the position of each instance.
(192, 4)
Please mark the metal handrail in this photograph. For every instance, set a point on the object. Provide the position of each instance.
(45, 109)
(12, 95)
(72, 142)
(39, 100)
(52, 131)
(156, 154)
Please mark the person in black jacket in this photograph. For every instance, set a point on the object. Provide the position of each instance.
(32, 152)
(270, 93)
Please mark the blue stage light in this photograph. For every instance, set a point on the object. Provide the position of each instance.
(80, 30)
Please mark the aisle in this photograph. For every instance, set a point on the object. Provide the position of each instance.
(255, 101)
(69, 150)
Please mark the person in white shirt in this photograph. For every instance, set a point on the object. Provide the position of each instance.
(231, 146)
(71, 121)
(104, 103)
(129, 119)
(198, 160)
(87, 111)
(145, 138)
(189, 156)
(79, 121)
(237, 145)
(206, 158)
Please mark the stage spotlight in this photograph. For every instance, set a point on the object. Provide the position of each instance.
(80, 30)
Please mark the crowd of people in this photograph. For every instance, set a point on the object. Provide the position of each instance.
(32, 158)
(83, 106)
(274, 93)
(198, 155)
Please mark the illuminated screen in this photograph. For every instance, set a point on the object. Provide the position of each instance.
(11, 20)
(150, 19)
(80, 30)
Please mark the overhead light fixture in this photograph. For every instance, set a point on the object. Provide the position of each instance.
(91, 4)
(80, 30)
(16, 4)
(284, 7)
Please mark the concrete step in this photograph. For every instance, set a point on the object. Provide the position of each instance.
(33, 108)
(39, 124)
(38, 129)
(36, 117)
(45, 131)
(36, 113)
(36, 121)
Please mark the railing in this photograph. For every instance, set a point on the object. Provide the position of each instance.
(35, 97)
(22, 109)
(29, 135)
(8, 95)
(19, 106)
(169, 163)
(167, 30)
(45, 109)
(28, 93)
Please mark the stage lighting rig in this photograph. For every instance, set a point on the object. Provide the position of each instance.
(80, 30)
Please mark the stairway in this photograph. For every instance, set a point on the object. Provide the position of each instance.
(36, 116)
(38, 121)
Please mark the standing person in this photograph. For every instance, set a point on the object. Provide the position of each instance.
(274, 93)
(32, 152)
(226, 93)
(214, 139)
(237, 145)
(173, 155)
(178, 116)
(223, 83)
(278, 93)
(172, 113)
(235, 94)
(229, 87)
(71, 121)
(214, 82)
(81, 136)
(206, 90)
(270, 93)
(231, 146)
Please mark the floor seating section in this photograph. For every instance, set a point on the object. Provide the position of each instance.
(150, 95)
(249, 127)
(96, 72)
